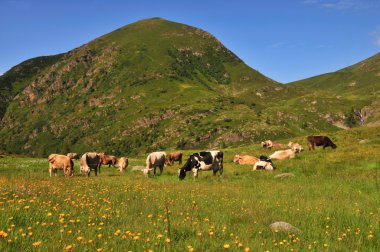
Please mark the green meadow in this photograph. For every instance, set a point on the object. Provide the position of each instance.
(333, 199)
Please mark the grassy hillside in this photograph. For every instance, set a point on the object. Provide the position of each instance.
(333, 199)
(17, 78)
(357, 86)
(157, 84)
(149, 85)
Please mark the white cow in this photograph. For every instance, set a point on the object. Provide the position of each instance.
(122, 164)
(154, 160)
(282, 154)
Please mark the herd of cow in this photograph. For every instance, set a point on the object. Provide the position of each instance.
(200, 161)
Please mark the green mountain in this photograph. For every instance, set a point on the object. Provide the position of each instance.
(354, 92)
(151, 85)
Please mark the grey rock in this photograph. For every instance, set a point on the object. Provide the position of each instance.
(284, 175)
(138, 168)
(282, 226)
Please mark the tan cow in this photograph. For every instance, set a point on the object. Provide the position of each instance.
(282, 154)
(73, 156)
(174, 156)
(269, 145)
(154, 160)
(295, 146)
(245, 159)
(61, 162)
(122, 164)
(90, 161)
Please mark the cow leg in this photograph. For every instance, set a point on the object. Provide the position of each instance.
(154, 171)
(195, 171)
(96, 172)
(161, 169)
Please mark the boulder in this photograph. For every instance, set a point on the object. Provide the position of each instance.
(282, 226)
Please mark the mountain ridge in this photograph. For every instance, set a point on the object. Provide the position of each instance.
(149, 85)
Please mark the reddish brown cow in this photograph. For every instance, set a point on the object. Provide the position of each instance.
(320, 141)
(107, 160)
(175, 156)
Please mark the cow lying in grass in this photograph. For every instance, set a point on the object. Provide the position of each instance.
(245, 159)
(268, 144)
(295, 146)
(283, 154)
(264, 164)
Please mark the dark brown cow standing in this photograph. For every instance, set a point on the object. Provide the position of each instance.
(320, 141)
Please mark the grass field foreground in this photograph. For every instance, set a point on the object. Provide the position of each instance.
(333, 199)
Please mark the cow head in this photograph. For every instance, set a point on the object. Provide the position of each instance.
(236, 158)
(167, 162)
(181, 174)
(333, 146)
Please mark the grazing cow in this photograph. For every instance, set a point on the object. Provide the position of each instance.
(122, 164)
(282, 154)
(263, 164)
(269, 145)
(205, 161)
(154, 160)
(61, 162)
(90, 161)
(107, 160)
(296, 147)
(73, 156)
(175, 156)
(245, 159)
(320, 141)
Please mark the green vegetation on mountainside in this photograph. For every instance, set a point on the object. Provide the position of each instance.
(150, 85)
(355, 87)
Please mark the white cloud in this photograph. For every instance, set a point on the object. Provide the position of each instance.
(344, 4)
(278, 45)
(376, 35)
(377, 41)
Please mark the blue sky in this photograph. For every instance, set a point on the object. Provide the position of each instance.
(286, 40)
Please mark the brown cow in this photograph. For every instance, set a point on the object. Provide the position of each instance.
(122, 164)
(320, 141)
(107, 160)
(245, 159)
(61, 162)
(174, 156)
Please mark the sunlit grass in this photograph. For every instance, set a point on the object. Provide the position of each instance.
(333, 199)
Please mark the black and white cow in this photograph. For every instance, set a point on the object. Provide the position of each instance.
(204, 161)
(264, 163)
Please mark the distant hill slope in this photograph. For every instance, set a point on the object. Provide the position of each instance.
(356, 86)
(17, 78)
(151, 85)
